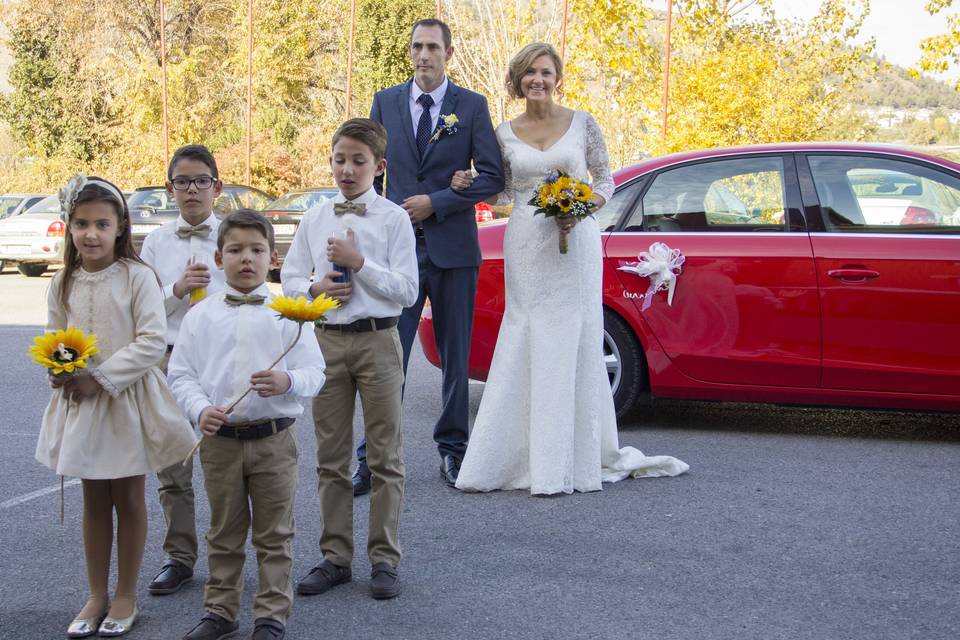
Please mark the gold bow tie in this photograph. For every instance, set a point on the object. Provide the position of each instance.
(201, 231)
(356, 208)
(235, 300)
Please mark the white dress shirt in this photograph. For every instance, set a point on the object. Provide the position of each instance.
(389, 278)
(416, 109)
(169, 255)
(221, 346)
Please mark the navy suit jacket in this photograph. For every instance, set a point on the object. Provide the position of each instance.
(451, 232)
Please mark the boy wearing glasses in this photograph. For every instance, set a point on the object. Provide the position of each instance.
(181, 252)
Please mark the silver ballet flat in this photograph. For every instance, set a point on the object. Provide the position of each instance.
(113, 627)
(84, 627)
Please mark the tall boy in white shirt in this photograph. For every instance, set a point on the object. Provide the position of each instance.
(362, 350)
(249, 456)
(181, 252)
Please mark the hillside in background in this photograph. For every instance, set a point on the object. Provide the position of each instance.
(894, 87)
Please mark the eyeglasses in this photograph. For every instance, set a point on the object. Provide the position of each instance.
(182, 184)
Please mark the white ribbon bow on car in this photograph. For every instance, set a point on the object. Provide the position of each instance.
(662, 265)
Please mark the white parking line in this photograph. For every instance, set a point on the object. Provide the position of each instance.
(27, 497)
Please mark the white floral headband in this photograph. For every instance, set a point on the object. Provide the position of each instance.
(76, 184)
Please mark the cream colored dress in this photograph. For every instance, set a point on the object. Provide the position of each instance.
(133, 426)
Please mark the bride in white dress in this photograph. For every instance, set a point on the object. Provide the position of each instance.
(547, 421)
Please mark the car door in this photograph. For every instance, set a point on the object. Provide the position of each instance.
(745, 309)
(887, 254)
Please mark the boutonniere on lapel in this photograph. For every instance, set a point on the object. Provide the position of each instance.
(446, 125)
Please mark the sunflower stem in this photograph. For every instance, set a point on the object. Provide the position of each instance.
(233, 404)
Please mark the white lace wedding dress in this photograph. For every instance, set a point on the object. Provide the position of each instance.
(546, 421)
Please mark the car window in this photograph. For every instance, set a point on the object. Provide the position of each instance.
(609, 214)
(8, 205)
(156, 198)
(50, 204)
(866, 194)
(252, 199)
(737, 194)
(224, 203)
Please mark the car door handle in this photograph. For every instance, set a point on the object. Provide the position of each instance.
(853, 275)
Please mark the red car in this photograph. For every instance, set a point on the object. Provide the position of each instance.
(824, 274)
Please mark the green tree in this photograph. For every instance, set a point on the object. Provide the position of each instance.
(940, 51)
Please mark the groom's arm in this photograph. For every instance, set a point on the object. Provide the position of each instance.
(487, 162)
(375, 115)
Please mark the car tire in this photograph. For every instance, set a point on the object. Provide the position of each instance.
(32, 270)
(626, 364)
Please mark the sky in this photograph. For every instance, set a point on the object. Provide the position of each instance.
(897, 25)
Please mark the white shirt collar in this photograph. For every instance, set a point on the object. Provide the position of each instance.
(262, 290)
(210, 220)
(437, 94)
(368, 197)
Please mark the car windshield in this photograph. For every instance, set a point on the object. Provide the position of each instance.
(50, 204)
(299, 201)
(156, 198)
(8, 204)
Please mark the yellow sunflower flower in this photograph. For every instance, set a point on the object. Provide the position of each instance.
(583, 192)
(63, 351)
(300, 310)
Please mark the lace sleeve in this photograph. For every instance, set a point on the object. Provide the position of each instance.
(506, 197)
(598, 162)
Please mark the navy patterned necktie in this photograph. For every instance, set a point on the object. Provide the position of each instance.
(425, 126)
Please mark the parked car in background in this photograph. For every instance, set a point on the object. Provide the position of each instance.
(13, 204)
(286, 212)
(150, 207)
(483, 212)
(33, 240)
(824, 274)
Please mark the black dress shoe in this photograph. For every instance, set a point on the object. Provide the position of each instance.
(384, 581)
(450, 469)
(172, 576)
(267, 629)
(212, 627)
(322, 578)
(361, 480)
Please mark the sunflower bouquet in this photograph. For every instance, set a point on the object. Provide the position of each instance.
(63, 352)
(561, 195)
(299, 310)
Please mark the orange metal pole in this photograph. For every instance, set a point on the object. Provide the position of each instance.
(563, 33)
(666, 68)
(163, 73)
(249, 86)
(353, 27)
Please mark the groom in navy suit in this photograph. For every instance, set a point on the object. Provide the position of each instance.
(424, 149)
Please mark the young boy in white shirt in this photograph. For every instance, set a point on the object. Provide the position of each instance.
(358, 248)
(249, 456)
(181, 252)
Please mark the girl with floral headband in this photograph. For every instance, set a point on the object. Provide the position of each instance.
(115, 420)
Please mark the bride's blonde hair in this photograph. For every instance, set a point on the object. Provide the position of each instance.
(523, 60)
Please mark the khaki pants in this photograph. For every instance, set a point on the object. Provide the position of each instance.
(371, 363)
(177, 501)
(250, 482)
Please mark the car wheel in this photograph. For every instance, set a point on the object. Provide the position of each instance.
(32, 270)
(626, 365)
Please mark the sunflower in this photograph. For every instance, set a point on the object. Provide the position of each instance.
(582, 192)
(64, 350)
(300, 310)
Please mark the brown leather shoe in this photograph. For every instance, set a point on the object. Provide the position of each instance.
(212, 627)
(323, 577)
(384, 581)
